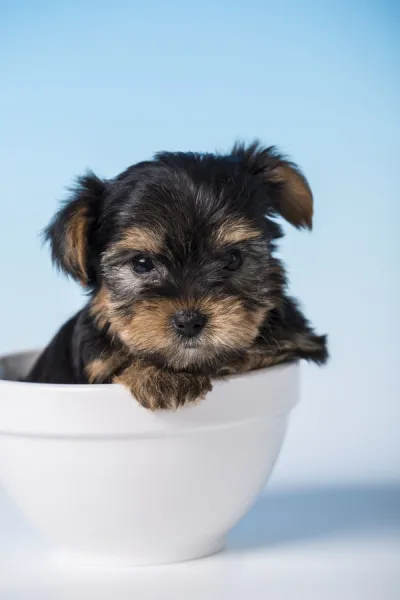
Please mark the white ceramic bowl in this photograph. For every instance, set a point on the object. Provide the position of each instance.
(109, 483)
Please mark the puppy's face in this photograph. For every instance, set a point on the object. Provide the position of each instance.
(179, 251)
(187, 284)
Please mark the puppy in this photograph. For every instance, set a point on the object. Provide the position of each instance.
(178, 257)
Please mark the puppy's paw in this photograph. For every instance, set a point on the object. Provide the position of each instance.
(156, 389)
(250, 362)
(165, 390)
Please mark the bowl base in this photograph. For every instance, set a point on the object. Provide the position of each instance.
(172, 555)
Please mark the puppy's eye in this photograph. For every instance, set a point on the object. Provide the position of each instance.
(142, 264)
(233, 260)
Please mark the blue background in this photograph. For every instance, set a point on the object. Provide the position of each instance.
(104, 84)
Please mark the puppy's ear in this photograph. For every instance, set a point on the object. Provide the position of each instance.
(71, 232)
(289, 192)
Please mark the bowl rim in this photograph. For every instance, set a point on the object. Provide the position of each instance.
(106, 411)
(93, 387)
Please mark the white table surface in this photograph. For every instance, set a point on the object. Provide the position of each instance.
(329, 543)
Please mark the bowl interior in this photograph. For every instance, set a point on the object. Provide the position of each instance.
(15, 367)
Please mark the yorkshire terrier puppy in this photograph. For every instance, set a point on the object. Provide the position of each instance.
(177, 255)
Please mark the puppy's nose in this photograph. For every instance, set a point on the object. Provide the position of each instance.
(188, 323)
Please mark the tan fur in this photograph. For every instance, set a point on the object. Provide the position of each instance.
(142, 239)
(234, 232)
(252, 362)
(157, 389)
(101, 369)
(260, 358)
(100, 307)
(296, 204)
(75, 244)
(229, 325)
(150, 327)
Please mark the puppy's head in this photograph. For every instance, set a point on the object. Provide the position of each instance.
(178, 251)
